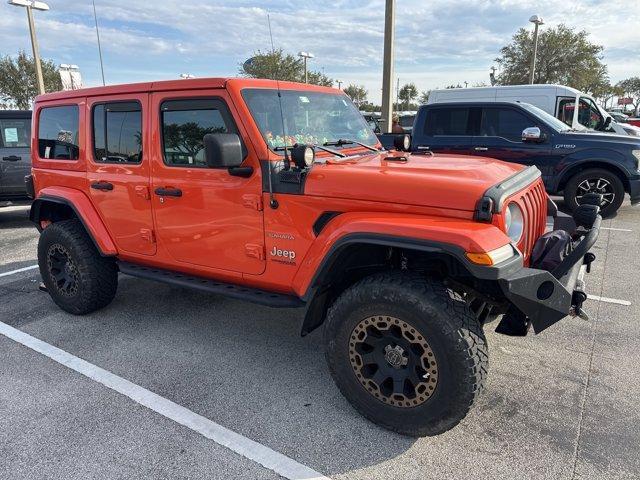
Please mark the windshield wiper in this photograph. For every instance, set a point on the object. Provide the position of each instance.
(319, 147)
(341, 142)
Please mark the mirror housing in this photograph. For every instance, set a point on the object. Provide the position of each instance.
(607, 123)
(222, 150)
(532, 134)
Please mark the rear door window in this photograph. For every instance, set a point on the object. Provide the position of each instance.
(117, 132)
(58, 133)
(447, 121)
(15, 133)
(504, 122)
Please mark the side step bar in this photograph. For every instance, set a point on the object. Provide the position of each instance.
(253, 295)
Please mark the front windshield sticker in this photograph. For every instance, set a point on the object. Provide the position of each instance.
(306, 117)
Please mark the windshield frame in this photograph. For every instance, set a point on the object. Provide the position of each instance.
(278, 149)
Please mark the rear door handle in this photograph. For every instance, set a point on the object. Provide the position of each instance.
(168, 192)
(105, 186)
(12, 158)
(481, 149)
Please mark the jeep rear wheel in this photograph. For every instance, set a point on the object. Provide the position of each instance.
(77, 277)
(595, 180)
(406, 352)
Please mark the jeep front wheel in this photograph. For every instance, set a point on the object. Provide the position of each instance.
(406, 352)
(77, 277)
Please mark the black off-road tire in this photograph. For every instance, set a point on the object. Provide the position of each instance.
(614, 185)
(65, 247)
(444, 320)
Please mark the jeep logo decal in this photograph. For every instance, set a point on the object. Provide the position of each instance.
(288, 255)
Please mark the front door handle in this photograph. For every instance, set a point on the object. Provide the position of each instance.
(105, 186)
(168, 192)
(481, 149)
(12, 158)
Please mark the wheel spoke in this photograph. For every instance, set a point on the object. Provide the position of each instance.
(398, 384)
(369, 358)
(379, 377)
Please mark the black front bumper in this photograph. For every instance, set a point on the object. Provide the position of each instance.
(545, 297)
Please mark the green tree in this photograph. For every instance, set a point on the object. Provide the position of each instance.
(564, 56)
(630, 88)
(18, 83)
(357, 93)
(424, 97)
(408, 93)
(278, 65)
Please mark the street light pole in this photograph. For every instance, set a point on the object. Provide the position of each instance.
(305, 56)
(387, 68)
(29, 5)
(537, 21)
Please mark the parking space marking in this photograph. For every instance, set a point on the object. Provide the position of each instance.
(616, 229)
(626, 303)
(25, 269)
(270, 459)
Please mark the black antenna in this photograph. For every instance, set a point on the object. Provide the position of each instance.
(287, 162)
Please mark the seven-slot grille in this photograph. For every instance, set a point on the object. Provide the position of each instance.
(533, 202)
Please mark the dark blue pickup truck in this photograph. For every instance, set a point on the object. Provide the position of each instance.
(572, 163)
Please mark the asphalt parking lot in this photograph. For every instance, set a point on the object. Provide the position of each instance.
(562, 405)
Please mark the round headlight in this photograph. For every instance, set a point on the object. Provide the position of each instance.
(514, 221)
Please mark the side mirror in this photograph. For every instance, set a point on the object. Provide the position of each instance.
(532, 134)
(222, 150)
(607, 123)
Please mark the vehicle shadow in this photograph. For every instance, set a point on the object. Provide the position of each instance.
(241, 365)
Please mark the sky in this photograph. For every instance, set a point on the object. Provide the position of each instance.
(438, 42)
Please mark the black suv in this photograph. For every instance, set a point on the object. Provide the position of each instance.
(15, 153)
(574, 163)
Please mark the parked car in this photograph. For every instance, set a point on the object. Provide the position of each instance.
(15, 148)
(402, 258)
(556, 100)
(572, 163)
(373, 120)
(406, 120)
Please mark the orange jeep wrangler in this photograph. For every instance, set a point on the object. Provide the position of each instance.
(280, 194)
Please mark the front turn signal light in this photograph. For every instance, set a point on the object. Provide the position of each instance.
(493, 257)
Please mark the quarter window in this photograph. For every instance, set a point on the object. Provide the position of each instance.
(447, 121)
(117, 132)
(58, 133)
(184, 125)
(504, 122)
(15, 132)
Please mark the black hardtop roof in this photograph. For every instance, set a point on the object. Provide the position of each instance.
(15, 113)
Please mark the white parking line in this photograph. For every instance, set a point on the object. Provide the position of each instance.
(616, 229)
(6, 274)
(609, 300)
(277, 462)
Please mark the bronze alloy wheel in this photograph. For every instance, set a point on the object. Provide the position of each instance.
(393, 361)
(62, 269)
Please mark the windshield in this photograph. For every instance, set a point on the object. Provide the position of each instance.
(545, 117)
(309, 117)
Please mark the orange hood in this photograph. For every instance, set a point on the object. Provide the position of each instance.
(442, 181)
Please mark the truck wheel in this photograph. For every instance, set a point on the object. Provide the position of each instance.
(595, 180)
(406, 352)
(77, 277)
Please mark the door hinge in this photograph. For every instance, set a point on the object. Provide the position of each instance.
(143, 191)
(147, 234)
(252, 201)
(254, 251)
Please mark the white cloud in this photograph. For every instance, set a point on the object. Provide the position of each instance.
(438, 41)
